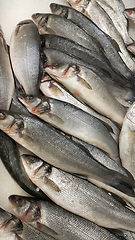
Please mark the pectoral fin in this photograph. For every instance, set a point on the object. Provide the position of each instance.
(45, 229)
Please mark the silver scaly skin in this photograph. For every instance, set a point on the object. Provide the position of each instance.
(25, 55)
(78, 196)
(56, 221)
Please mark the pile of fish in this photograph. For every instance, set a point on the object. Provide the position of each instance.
(67, 95)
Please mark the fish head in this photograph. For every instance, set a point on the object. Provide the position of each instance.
(42, 22)
(10, 222)
(6, 120)
(62, 71)
(35, 167)
(50, 88)
(19, 204)
(59, 10)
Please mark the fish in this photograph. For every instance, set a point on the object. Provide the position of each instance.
(75, 50)
(71, 120)
(25, 55)
(51, 88)
(118, 20)
(54, 24)
(6, 77)
(79, 196)
(55, 148)
(43, 214)
(10, 226)
(10, 156)
(130, 14)
(109, 28)
(110, 46)
(80, 81)
(126, 140)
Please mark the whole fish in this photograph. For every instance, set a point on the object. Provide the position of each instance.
(6, 76)
(86, 86)
(51, 88)
(107, 43)
(117, 19)
(127, 140)
(53, 24)
(130, 14)
(77, 51)
(25, 55)
(60, 151)
(78, 196)
(73, 121)
(51, 217)
(10, 157)
(10, 226)
(95, 12)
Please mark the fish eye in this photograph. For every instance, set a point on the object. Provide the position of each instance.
(30, 97)
(2, 116)
(20, 202)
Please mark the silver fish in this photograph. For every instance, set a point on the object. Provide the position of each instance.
(127, 140)
(10, 226)
(78, 196)
(53, 24)
(107, 26)
(52, 218)
(6, 76)
(110, 47)
(60, 151)
(130, 14)
(86, 86)
(118, 20)
(51, 88)
(73, 121)
(25, 55)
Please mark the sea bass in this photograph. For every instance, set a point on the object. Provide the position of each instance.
(54, 220)
(6, 77)
(60, 151)
(78, 196)
(110, 46)
(51, 88)
(127, 141)
(73, 121)
(86, 86)
(25, 55)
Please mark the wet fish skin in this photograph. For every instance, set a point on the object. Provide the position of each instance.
(25, 51)
(109, 28)
(52, 57)
(68, 226)
(10, 226)
(108, 45)
(130, 14)
(76, 77)
(78, 196)
(10, 156)
(77, 51)
(51, 88)
(72, 120)
(119, 21)
(58, 150)
(53, 24)
(6, 77)
(126, 140)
